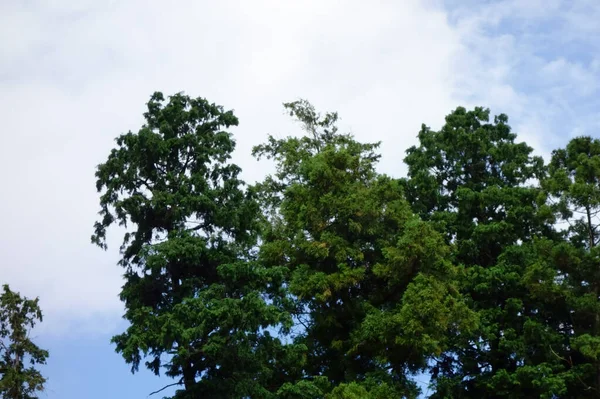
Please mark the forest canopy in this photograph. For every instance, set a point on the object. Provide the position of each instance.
(328, 279)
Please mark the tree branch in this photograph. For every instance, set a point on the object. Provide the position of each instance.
(301, 321)
(200, 226)
(180, 382)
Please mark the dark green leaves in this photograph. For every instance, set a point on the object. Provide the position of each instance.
(172, 175)
(201, 308)
(476, 184)
(19, 378)
(330, 280)
(574, 179)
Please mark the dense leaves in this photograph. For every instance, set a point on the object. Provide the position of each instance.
(574, 184)
(19, 355)
(373, 289)
(330, 280)
(473, 181)
(198, 303)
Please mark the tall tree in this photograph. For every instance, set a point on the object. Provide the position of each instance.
(474, 182)
(19, 356)
(373, 289)
(199, 304)
(574, 184)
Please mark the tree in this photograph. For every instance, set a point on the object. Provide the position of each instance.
(574, 180)
(17, 316)
(574, 184)
(477, 185)
(373, 290)
(199, 304)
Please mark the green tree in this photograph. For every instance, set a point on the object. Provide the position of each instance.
(19, 378)
(199, 304)
(476, 184)
(373, 289)
(574, 184)
(574, 180)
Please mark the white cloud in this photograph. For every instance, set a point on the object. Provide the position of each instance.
(535, 61)
(74, 75)
(564, 75)
(84, 75)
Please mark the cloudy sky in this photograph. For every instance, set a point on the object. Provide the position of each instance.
(75, 74)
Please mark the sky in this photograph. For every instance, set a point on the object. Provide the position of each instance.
(74, 74)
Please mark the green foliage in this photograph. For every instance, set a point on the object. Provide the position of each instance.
(199, 305)
(173, 175)
(360, 262)
(330, 280)
(473, 181)
(304, 389)
(573, 182)
(574, 179)
(19, 378)
(367, 390)
(471, 178)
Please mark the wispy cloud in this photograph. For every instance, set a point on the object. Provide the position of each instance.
(534, 60)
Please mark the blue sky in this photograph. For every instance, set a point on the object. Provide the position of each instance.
(75, 74)
(88, 368)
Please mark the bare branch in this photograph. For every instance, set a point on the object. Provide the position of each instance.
(301, 321)
(180, 382)
(558, 356)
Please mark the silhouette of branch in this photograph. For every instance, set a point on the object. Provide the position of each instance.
(167, 386)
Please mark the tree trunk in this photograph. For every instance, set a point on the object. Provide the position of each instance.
(189, 377)
(590, 228)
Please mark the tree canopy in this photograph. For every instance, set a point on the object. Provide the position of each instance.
(329, 279)
(19, 355)
(199, 304)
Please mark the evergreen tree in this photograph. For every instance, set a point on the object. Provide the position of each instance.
(19, 355)
(574, 184)
(199, 304)
(373, 289)
(474, 182)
